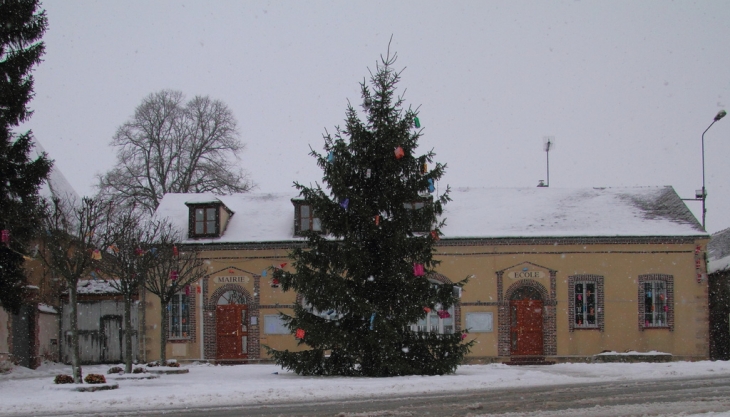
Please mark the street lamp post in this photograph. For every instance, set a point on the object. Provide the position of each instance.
(703, 197)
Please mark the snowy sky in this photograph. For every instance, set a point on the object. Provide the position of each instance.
(626, 88)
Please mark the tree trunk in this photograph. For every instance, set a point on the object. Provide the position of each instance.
(164, 331)
(128, 333)
(75, 361)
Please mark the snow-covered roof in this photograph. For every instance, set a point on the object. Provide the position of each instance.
(95, 286)
(718, 251)
(45, 308)
(57, 185)
(477, 213)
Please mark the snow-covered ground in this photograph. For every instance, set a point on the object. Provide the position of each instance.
(25, 391)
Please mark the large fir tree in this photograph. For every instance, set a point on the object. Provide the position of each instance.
(21, 27)
(361, 284)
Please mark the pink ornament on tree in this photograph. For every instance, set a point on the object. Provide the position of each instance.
(418, 270)
(5, 236)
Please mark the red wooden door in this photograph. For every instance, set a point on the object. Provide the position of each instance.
(526, 327)
(232, 332)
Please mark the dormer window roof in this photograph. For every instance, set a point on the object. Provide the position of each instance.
(207, 218)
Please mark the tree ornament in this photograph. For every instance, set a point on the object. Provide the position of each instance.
(435, 235)
(661, 297)
(666, 308)
(275, 282)
(431, 188)
(114, 248)
(443, 314)
(372, 321)
(331, 157)
(139, 252)
(174, 251)
(299, 334)
(96, 255)
(94, 276)
(463, 336)
(424, 168)
(698, 249)
(264, 273)
(648, 294)
(417, 122)
(281, 266)
(427, 309)
(187, 290)
(367, 103)
(418, 270)
(367, 173)
(5, 236)
(377, 219)
(345, 203)
(399, 153)
(174, 275)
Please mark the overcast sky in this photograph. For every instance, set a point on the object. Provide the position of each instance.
(625, 87)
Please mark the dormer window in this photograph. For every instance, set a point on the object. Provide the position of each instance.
(207, 219)
(305, 220)
(418, 223)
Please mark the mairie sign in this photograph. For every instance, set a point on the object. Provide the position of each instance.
(526, 274)
(232, 280)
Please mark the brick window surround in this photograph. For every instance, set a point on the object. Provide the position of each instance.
(669, 285)
(600, 301)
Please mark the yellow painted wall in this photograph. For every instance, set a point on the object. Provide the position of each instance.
(619, 264)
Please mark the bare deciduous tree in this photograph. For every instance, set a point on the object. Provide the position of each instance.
(124, 263)
(170, 146)
(171, 272)
(70, 241)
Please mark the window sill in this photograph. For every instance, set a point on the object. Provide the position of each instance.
(596, 327)
(179, 340)
(655, 328)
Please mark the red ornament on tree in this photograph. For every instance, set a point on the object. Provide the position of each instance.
(418, 270)
(174, 275)
(299, 334)
(174, 251)
(5, 236)
(443, 314)
(399, 153)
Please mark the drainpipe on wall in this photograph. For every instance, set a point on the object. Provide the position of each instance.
(202, 315)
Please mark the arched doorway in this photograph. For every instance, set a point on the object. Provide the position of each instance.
(231, 326)
(526, 321)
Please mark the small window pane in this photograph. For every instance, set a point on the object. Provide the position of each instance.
(199, 215)
(304, 211)
(210, 213)
(316, 225)
(210, 227)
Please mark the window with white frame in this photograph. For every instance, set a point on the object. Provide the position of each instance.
(585, 296)
(655, 304)
(179, 327)
(656, 295)
(437, 320)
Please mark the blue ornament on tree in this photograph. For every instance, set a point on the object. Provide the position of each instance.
(345, 203)
(431, 188)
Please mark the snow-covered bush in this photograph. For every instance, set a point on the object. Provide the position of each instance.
(63, 379)
(95, 379)
(173, 364)
(5, 367)
(138, 370)
(115, 370)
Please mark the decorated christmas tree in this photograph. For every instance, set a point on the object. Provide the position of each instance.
(366, 276)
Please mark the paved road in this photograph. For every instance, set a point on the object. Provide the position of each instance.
(651, 398)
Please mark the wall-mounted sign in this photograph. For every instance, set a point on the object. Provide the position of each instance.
(526, 274)
(232, 280)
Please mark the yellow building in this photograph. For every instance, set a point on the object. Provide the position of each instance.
(561, 274)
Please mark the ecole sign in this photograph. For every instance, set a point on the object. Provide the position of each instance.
(526, 274)
(232, 280)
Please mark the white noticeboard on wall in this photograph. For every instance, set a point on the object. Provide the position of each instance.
(480, 322)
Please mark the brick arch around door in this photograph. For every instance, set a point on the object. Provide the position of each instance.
(209, 314)
(549, 328)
